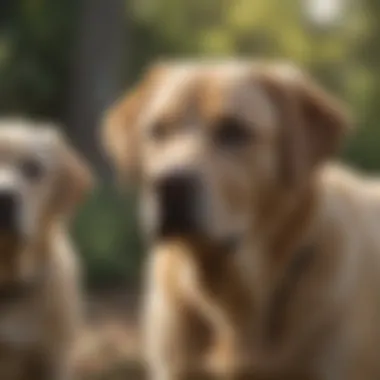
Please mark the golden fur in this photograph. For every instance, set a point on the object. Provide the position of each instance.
(297, 297)
(40, 303)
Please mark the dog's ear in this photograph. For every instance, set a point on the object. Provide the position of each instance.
(312, 123)
(75, 180)
(119, 134)
(326, 122)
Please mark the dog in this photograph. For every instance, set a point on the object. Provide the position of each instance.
(264, 252)
(42, 179)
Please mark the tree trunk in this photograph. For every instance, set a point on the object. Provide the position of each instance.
(95, 73)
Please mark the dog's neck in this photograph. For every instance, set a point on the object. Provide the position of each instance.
(24, 269)
(283, 220)
(286, 249)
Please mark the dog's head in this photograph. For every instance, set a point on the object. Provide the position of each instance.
(41, 180)
(210, 142)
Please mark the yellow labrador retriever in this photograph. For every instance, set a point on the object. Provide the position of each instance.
(41, 181)
(255, 236)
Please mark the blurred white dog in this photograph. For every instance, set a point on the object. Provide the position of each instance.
(41, 180)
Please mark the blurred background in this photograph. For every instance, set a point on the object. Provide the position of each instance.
(68, 60)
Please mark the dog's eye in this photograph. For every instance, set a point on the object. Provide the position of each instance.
(159, 131)
(231, 132)
(32, 169)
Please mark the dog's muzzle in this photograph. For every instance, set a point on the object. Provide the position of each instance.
(8, 212)
(182, 211)
(179, 198)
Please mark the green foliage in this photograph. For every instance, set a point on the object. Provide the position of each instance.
(35, 41)
(106, 231)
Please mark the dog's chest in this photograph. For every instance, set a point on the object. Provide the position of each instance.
(20, 325)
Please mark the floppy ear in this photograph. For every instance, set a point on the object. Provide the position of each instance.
(119, 135)
(325, 120)
(312, 124)
(75, 181)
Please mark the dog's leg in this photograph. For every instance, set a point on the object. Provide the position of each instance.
(222, 309)
(225, 360)
(165, 343)
(169, 331)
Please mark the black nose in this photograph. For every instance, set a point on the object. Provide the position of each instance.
(178, 195)
(7, 211)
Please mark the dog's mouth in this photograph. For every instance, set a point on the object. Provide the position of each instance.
(171, 226)
(14, 290)
(182, 211)
(230, 244)
(176, 224)
(224, 246)
(10, 242)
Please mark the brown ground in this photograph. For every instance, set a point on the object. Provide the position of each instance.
(109, 346)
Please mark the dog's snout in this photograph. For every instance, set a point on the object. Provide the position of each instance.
(8, 205)
(178, 197)
(178, 186)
